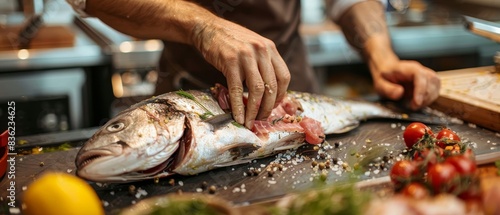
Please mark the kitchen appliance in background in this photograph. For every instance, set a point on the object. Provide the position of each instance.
(134, 62)
(46, 101)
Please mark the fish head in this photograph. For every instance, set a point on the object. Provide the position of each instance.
(137, 144)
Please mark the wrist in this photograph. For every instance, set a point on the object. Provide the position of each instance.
(379, 54)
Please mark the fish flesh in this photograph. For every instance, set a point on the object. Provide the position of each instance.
(188, 132)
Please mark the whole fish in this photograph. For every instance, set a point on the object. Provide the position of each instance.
(188, 132)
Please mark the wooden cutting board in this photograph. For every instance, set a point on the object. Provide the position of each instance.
(50, 36)
(472, 95)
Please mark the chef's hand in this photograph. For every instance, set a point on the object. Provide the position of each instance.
(245, 58)
(365, 28)
(408, 80)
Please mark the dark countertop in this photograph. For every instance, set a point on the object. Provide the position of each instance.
(234, 186)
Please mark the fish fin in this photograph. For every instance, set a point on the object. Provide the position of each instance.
(220, 120)
(283, 148)
(241, 150)
(347, 128)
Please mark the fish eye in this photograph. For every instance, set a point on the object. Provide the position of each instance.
(117, 126)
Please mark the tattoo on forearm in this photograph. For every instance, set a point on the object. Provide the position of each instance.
(363, 21)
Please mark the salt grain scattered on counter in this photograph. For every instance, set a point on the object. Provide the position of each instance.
(133, 202)
(140, 192)
(24, 188)
(199, 190)
(69, 170)
(181, 183)
(112, 193)
(471, 125)
(393, 125)
(105, 203)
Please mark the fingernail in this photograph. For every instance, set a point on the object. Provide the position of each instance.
(418, 100)
(249, 124)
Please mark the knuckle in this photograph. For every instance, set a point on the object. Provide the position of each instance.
(284, 78)
(258, 87)
(235, 89)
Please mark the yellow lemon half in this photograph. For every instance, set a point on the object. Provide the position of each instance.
(61, 193)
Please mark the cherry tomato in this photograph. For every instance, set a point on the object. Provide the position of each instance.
(415, 190)
(469, 154)
(472, 193)
(414, 133)
(429, 156)
(462, 164)
(442, 177)
(447, 137)
(402, 172)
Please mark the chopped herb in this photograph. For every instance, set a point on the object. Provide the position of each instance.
(192, 97)
(276, 120)
(195, 206)
(332, 200)
(206, 115)
(185, 94)
(237, 124)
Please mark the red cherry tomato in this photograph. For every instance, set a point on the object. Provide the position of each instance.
(429, 156)
(472, 193)
(415, 190)
(462, 164)
(447, 137)
(442, 177)
(402, 172)
(414, 133)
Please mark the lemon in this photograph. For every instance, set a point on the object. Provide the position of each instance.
(61, 193)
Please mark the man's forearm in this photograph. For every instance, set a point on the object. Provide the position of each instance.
(365, 28)
(172, 20)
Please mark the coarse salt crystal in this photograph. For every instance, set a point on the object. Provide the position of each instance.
(105, 203)
(199, 190)
(181, 183)
(271, 182)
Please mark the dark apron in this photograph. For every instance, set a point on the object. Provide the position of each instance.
(183, 67)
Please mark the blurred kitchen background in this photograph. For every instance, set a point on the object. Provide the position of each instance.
(78, 72)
